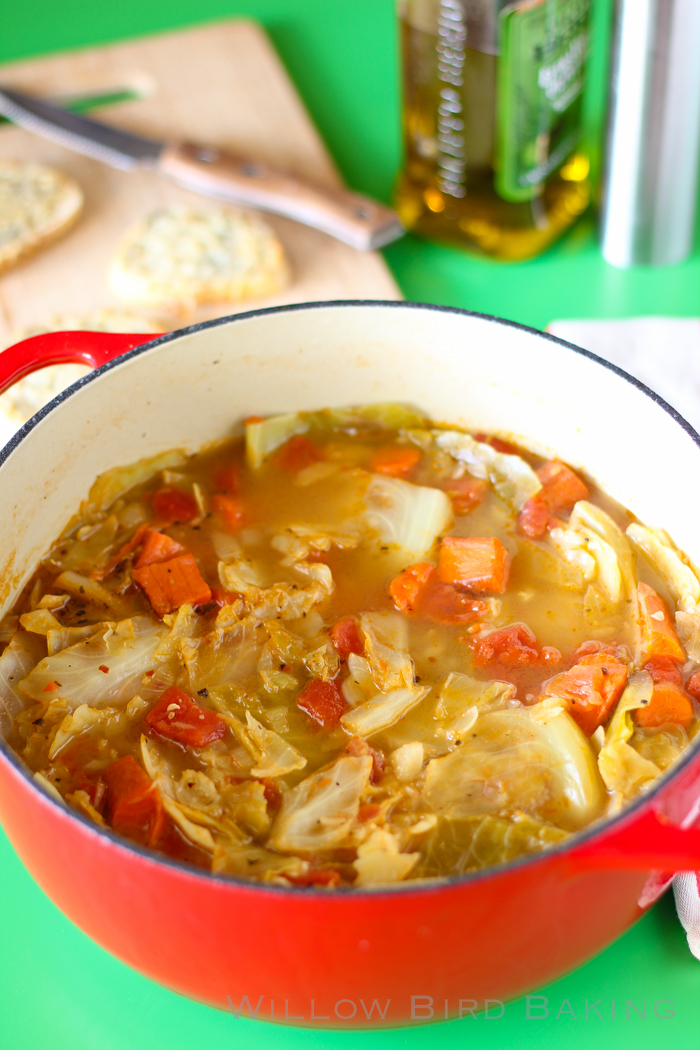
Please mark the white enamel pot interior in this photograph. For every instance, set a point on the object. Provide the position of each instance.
(194, 387)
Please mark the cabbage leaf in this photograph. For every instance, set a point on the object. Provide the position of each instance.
(16, 662)
(382, 711)
(386, 650)
(114, 483)
(541, 767)
(513, 479)
(406, 516)
(126, 649)
(379, 860)
(263, 438)
(593, 544)
(273, 756)
(679, 577)
(319, 812)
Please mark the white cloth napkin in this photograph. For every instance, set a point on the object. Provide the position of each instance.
(664, 353)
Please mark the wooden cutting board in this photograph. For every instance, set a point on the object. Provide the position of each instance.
(221, 84)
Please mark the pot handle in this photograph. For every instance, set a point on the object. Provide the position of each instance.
(652, 842)
(64, 348)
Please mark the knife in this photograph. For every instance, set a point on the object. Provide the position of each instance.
(358, 221)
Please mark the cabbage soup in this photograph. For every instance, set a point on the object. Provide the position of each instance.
(351, 648)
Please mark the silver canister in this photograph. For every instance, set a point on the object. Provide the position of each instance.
(650, 187)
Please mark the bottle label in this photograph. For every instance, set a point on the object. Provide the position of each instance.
(543, 46)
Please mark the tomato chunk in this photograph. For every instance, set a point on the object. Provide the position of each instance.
(395, 460)
(561, 488)
(221, 597)
(418, 590)
(499, 444)
(228, 479)
(297, 454)
(323, 702)
(315, 877)
(357, 747)
(121, 554)
(657, 634)
(692, 686)
(173, 506)
(664, 669)
(409, 584)
(134, 805)
(157, 547)
(178, 717)
(592, 686)
(511, 646)
(480, 563)
(230, 510)
(346, 637)
(669, 703)
(170, 584)
(466, 493)
(445, 604)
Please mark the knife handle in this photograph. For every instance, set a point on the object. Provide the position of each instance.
(349, 217)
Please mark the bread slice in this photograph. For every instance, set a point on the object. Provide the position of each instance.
(38, 205)
(179, 258)
(21, 401)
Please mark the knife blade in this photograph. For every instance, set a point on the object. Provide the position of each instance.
(358, 221)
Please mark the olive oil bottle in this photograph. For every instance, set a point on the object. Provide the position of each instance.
(492, 122)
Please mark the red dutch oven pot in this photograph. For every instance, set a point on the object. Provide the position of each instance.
(349, 956)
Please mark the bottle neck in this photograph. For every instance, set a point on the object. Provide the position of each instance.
(476, 20)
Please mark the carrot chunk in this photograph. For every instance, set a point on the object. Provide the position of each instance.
(479, 563)
(230, 510)
(174, 506)
(346, 638)
(157, 547)
(170, 584)
(592, 687)
(134, 805)
(511, 646)
(466, 493)
(178, 717)
(323, 702)
(669, 703)
(561, 488)
(395, 460)
(297, 454)
(657, 633)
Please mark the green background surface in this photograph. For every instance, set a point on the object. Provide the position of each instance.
(57, 988)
